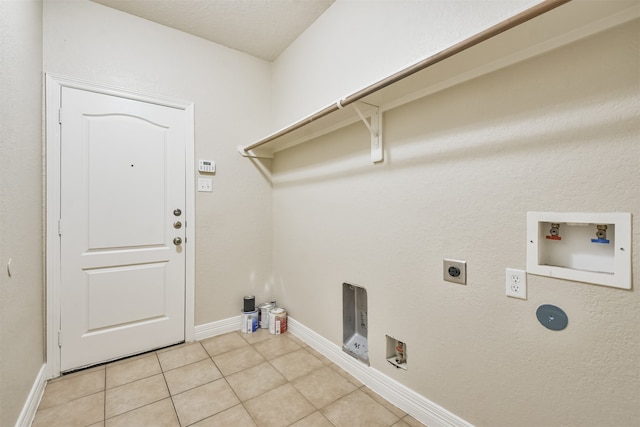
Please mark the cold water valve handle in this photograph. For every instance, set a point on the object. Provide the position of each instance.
(601, 234)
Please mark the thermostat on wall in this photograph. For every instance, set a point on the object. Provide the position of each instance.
(206, 166)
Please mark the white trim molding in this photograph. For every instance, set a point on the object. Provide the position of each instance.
(416, 405)
(219, 327)
(30, 407)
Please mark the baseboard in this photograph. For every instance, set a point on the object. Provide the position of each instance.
(219, 327)
(416, 405)
(37, 390)
(30, 407)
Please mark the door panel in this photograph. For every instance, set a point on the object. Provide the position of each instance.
(122, 276)
(137, 290)
(114, 168)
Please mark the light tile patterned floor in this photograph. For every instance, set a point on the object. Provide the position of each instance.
(232, 380)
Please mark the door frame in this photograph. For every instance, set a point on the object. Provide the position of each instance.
(53, 90)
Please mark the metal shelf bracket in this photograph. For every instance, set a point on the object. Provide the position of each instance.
(374, 124)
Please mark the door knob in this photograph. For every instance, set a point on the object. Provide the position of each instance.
(177, 241)
(177, 212)
(177, 225)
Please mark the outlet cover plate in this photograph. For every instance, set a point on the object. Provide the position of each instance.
(454, 271)
(516, 283)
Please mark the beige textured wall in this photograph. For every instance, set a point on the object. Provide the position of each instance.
(555, 133)
(230, 91)
(21, 237)
(356, 43)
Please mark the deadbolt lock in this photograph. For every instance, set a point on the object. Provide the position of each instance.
(177, 241)
(177, 212)
(177, 225)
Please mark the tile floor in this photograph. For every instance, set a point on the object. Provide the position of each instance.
(232, 380)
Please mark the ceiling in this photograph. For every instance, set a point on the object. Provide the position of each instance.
(262, 28)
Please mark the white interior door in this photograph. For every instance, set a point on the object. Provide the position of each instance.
(122, 227)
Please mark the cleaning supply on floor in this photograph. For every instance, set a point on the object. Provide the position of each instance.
(249, 303)
(263, 314)
(277, 321)
(249, 322)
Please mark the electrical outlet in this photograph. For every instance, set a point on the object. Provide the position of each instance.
(516, 283)
(454, 271)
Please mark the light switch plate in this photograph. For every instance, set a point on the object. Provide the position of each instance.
(204, 184)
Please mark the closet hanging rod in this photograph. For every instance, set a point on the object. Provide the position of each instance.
(524, 16)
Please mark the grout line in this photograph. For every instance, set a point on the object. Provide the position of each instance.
(276, 369)
(229, 385)
(188, 364)
(249, 413)
(175, 411)
(132, 381)
(225, 377)
(228, 351)
(140, 407)
(104, 401)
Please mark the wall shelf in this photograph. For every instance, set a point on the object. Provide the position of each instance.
(539, 29)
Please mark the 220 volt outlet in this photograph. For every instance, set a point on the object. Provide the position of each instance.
(454, 271)
(516, 283)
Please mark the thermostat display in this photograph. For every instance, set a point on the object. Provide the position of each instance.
(207, 166)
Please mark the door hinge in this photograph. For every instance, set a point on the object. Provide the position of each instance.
(60, 339)
(59, 227)
(60, 115)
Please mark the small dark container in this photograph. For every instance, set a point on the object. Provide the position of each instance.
(249, 303)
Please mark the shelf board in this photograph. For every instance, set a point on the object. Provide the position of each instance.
(558, 27)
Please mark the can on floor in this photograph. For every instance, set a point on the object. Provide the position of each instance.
(249, 322)
(277, 321)
(263, 314)
(249, 303)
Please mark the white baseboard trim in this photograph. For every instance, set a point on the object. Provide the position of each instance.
(30, 407)
(416, 405)
(218, 327)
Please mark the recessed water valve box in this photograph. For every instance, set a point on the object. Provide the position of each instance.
(585, 247)
(396, 352)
